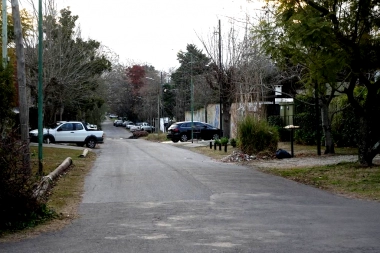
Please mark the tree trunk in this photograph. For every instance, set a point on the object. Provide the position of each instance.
(61, 110)
(369, 124)
(226, 119)
(326, 125)
(368, 146)
(21, 81)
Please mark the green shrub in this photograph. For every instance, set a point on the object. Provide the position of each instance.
(7, 97)
(255, 136)
(277, 122)
(305, 118)
(345, 125)
(224, 141)
(217, 141)
(306, 134)
(233, 142)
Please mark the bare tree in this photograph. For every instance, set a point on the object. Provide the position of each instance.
(242, 73)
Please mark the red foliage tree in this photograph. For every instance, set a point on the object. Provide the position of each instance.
(136, 75)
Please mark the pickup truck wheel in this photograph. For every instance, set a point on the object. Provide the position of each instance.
(183, 138)
(175, 140)
(91, 143)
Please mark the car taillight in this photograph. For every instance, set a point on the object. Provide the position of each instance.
(175, 130)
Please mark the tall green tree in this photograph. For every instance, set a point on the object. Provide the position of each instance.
(194, 66)
(338, 43)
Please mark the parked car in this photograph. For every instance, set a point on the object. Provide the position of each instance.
(126, 122)
(118, 122)
(129, 125)
(134, 128)
(181, 131)
(91, 126)
(142, 126)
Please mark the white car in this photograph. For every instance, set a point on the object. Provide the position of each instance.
(125, 123)
(129, 125)
(91, 126)
(142, 126)
(134, 128)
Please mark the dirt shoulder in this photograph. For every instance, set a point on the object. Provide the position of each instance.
(304, 156)
(304, 162)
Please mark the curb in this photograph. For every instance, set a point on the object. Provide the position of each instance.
(84, 154)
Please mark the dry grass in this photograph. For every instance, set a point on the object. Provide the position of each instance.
(303, 150)
(156, 137)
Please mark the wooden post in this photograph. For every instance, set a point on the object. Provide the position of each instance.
(291, 128)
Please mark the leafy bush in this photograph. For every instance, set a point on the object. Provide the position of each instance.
(306, 134)
(345, 125)
(255, 136)
(233, 142)
(217, 141)
(224, 141)
(305, 119)
(277, 122)
(19, 209)
(7, 97)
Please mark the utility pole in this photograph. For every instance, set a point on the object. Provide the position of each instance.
(5, 34)
(158, 104)
(40, 93)
(317, 115)
(220, 79)
(21, 80)
(192, 98)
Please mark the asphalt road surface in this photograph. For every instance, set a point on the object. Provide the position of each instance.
(143, 196)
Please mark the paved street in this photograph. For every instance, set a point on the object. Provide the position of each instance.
(143, 196)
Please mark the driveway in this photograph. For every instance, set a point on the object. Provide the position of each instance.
(143, 196)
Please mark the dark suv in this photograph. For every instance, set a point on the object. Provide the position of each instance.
(181, 131)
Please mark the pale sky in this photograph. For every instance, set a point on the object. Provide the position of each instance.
(153, 31)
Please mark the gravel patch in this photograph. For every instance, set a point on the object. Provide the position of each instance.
(268, 161)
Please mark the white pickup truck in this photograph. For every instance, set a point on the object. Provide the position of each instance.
(70, 132)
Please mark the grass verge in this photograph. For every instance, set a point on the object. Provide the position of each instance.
(66, 194)
(214, 153)
(157, 137)
(348, 179)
